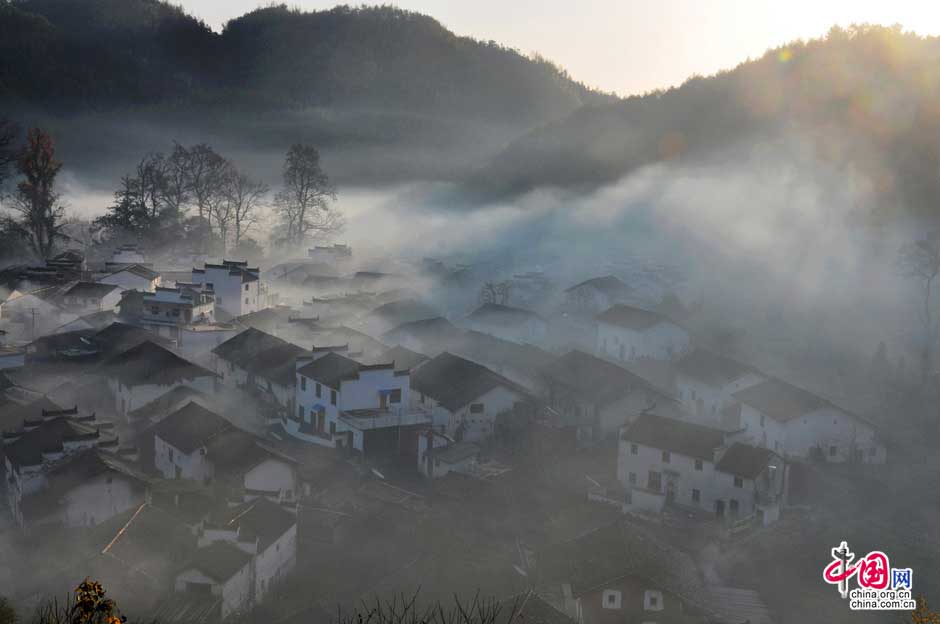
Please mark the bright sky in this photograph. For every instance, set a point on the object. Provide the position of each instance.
(631, 46)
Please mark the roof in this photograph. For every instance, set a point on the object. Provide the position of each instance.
(780, 400)
(261, 519)
(119, 337)
(234, 452)
(530, 608)
(90, 289)
(454, 382)
(596, 380)
(676, 436)
(404, 311)
(404, 359)
(166, 403)
(436, 330)
(503, 315)
(607, 284)
(744, 460)
(140, 271)
(262, 354)
(711, 367)
(331, 369)
(219, 561)
(12, 416)
(151, 364)
(48, 437)
(190, 427)
(633, 318)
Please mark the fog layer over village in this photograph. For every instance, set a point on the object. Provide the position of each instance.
(289, 365)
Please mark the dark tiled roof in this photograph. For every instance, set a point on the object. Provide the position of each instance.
(331, 369)
(12, 416)
(454, 382)
(607, 284)
(140, 271)
(119, 337)
(234, 452)
(48, 437)
(190, 427)
(711, 367)
(780, 400)
(676, 436)
(530, 608)
(744, 460)
(261, 519)
(147, 538)
(151, 364)
(594, 379)
(166, 403)
(434, 331)
(404, 359)
(632, 318)
(497, 352)
(502, 315)
(219, 561)
(89, 289)
(261, 354)
(404, 311)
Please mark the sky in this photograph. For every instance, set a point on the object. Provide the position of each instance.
(633, 46)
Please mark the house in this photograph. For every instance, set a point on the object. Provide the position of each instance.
(437, 461)
(396, 313)
(622, 573)
(595, 295)
(628, 333)
(519, 363)
(464, 398)
(705, 382)
(663, 460)
(261, 363)
(594, 398)
(341, 402)
(180, 442)
(134, 277)
(429, 336)
(36, 312)
(144, 372)
(71, 261)
(85, 297)
(508, 323)
(796, 423)
(219, 573)
(333, 255)
(127, 255)
(85, 490)
(403, 359)
(238, 288)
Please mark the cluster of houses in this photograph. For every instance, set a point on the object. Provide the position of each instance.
(200, 403)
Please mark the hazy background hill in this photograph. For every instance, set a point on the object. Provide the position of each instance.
(864, 102)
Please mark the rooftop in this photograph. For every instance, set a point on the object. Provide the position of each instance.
(745, 460)
(219, 561)
(780, 400)
(502, 315)
(331, 369)
(711, 367)
(151, 364)
(676, 436)
(631, 317)
(608, 284)
(190, 427)
(596, 380)
(454, 381)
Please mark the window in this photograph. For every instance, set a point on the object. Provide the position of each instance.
(738, 482)
(155, 310)
(634, 449)
(303, 383)
(632, 478)
(611, 599)
(169, 453)
(666, 457)
(733, 506)
(176, 312)
(395, 396)
(319, 391)
(693, 394)
(654, 481)
(696, 496)
(761, 420)
(332, 397)
(300, 412)
(652, 600)
(698, 465)
(246, 299)
(832, 451)
(476, 408)
(246, 290)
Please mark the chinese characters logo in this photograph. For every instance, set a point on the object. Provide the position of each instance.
(880, 587)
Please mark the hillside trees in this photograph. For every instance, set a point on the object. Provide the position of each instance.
(303, 203)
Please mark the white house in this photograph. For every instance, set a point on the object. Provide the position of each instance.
(220, 572)
(796, 423)
(628, 333)
(705, 382)
(464, 398)
(147, 371)
(341, 402)
(438, 457)
(508, 323)
(134, 277)
(180, 442)
(663, 460)
(85, 297)
(596, 295)
(238, 288)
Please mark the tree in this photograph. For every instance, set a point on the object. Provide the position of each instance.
(303, 203)
(7, 614)
(496, 292)
(39, 216)
(205, 177)
(244, 197)
(920, 261)
(177, 193)
(8, 138)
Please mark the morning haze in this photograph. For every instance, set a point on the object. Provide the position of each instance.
(469, 313)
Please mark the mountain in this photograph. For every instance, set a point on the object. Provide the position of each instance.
(103, 55)
(865, 101)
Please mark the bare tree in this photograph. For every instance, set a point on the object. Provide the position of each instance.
(8, 138)
(920, 261)
(243, 196)
(496, 292)
(177, 193)
(205, 177)
(39, 218)
(304, 202)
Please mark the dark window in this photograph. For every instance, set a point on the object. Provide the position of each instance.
(698, 464)
(332, 428)
(319, 392)
(394, 396)
(332, 397)
(738, 482)
(300, 412)
(246, 289)
(632, 478)
(303, 383)
(634, 449)
(654, 481)
(654, 600)
(733, 506)
(696, 496)
(832, 451)
(476, 408)
(611, 599)
(666, 457)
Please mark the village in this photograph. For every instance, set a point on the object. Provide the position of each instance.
(227, 441)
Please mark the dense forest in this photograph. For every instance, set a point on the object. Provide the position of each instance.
(864, 100)
(107, 54)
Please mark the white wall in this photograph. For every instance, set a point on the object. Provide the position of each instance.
(479, 426)
(273, 475)
(663, 341)
(231, 294)
(128, 398)
(193, 466)
(100, 499)
(275, 562)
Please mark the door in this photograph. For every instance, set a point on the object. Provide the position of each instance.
(720, 508)
(670, 489)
